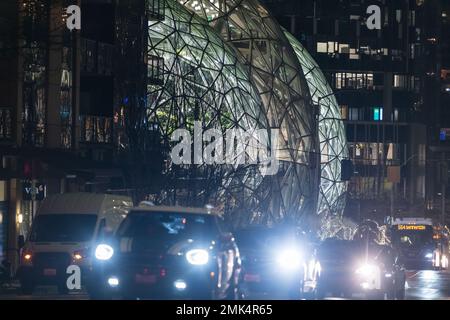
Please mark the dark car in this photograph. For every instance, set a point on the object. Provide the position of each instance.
(277, 263)
(168, 253)
(356, 267)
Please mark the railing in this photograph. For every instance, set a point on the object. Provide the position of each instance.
(96, 130)
(6, 124)
(33, 134)
(155, 10)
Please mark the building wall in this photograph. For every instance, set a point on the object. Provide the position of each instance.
(378, 83)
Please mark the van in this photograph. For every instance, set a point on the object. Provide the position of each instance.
(63, 233)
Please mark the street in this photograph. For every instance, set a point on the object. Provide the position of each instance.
(428, 285)
(421, 285)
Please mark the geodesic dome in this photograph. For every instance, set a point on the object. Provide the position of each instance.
(332, 136)
(229, 64)
(195, 76)
(277, 74)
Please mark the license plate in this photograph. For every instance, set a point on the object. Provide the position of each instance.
(252, 278)
(145, 279)
(49, 272)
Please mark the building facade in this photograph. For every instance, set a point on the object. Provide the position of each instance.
(383, 92)
(94, 110)
(56, 109)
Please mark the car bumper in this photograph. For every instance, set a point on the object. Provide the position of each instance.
(158, 284)
(50, 275)
(271, 284)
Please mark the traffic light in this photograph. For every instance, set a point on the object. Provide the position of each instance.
(28, 169)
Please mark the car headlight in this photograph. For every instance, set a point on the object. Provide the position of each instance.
(290, 259)
(429, 255)
(367, 270)
(104, 252)
(197, 257)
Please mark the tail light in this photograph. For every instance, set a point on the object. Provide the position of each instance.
(79, 255)
(27, 257)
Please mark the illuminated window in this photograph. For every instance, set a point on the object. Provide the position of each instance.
(344, 112)
(322, 47)
(378, 114)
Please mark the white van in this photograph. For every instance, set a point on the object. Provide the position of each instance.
(63, 232)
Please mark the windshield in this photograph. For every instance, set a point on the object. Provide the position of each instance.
(163, 226)
(340, 249)
(63, 228)
(413, 238)
(265, 238)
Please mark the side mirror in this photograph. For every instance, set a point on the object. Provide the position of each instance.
(21, 241)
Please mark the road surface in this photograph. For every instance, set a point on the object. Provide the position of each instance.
(421, 285)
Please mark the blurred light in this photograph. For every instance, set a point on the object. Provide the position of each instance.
(388, 275)
(180, 285)
(20, 218)
(429, 255)
(290, 258)
(365, 285)
(197, 257)
(113, 282)
(27, 256)
(104, 252)
(367, 270)
(77, 256)
(429, 275)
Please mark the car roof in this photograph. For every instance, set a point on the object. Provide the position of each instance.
(82, 203)
(176, 209)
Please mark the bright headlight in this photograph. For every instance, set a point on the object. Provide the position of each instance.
(429, 255)
(367, 270)
(289, 258)
(104, 252)
(197, 257)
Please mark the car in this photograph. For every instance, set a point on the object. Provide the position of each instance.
(277, 263)
(356, 267)
(168, 253)
(63, 231)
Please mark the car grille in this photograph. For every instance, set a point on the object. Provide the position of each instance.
(52, 259)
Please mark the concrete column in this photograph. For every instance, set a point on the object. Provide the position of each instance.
(19, 78)
(387, 96)
(14, 194)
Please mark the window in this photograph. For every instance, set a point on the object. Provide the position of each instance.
(344, 112)
(378, 114)
(354, 55)
(322, 47)
(344, 48)
(356, 114)
(400, 81)
(354, 80)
